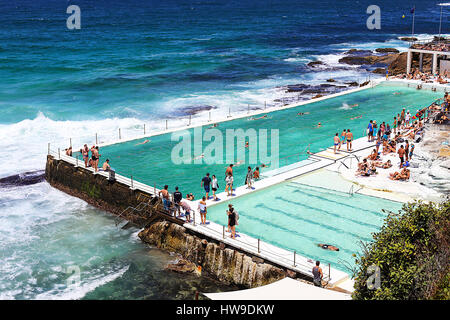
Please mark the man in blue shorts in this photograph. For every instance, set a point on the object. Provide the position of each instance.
(206, 182)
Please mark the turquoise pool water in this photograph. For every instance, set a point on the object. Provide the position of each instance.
(151, 163)
(298, 216)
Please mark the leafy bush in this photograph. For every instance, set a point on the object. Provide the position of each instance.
(412, 251)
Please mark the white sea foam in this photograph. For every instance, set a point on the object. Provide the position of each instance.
(79, 291)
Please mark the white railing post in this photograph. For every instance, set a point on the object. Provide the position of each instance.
(49, 148)
(223, 231)
(167, 125)
(120, 135)
(59, 154)
(144, 129)
(294, 256)
(70, 142)
(259, 246)
(131, 181)
(209, 116)
(96, 139)
(229, 112)
(265, 104)
(190, 119)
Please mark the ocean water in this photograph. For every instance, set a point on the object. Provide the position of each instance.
(136, 62)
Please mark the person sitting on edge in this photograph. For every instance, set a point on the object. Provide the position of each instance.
(256, 174)
(69, 151)
(190, 197)
(106, 166)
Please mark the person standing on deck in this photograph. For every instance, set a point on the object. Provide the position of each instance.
(177, 196)
(249, 178)
(402, 118)
(317, 274)
(229, 184)
(202, 209)
(165, 197)
(349, 137)
(214, 186)
(229, 170)
(337, 142)
(232, 222)
(206, 183)
(85, 152)
(343, 137)
(407, 118)
(395, 125)
(370, 131)
(406, 150)
(401, 155)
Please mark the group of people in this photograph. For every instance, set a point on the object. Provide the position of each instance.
(93, 160)
(426, 77)
(394, 139)
(346, 138)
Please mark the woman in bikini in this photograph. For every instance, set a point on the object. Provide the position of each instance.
(202, 209)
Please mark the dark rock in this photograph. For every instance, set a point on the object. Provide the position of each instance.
(387, 50)
(327, 85)
(23, 179)
(409, 39)
(291, 274)
(313, 64)
(257, 259)
(352, 84)
(317, 96)
(192, 110)
(182, 266)
(331, 80)
(365, 83)
(379, 71)
(354, 60)
(356, 52)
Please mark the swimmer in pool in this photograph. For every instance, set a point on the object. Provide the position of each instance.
(263, 117)
(319, 125)
(302, 113)
(354, 105)
(199, 157)
(238, 163)
(246, 144)
(356, 117)
(143, 142)
(328, 247)
(213, 126)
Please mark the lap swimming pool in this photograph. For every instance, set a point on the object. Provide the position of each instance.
(150, 163)
(304, 212)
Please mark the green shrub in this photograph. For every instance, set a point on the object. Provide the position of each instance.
(412, 251)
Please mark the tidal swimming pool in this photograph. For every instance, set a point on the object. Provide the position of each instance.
(151, 163)
(304, 212)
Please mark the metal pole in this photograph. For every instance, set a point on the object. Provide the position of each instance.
(59, 153)
(294, 257)
(167, 124)
(154, 189)
(144, 128)
(210, 116)
(265, 104)
(131, 181)
(96, 139)
(70, 142)
(440, 23)
(259, 247)
(329, 272)
(49, 148)
(120, 135)
(77, 161)
(190, 120)
(223, 231)
(248, 108)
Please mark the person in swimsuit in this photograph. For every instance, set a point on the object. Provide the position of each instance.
(229, 170)
(232, 221)
(165, 197)
(85, 153)
(406, 150)
(206, 183)
(106, 166)
(343, 134)
(202, 209)
(249, 178)
(328, 247)
(187, 210)
(256, 174)
(349, 137)
(337, 142)
(143, 142)
(395, 125)
(378, 143)
(229, 184)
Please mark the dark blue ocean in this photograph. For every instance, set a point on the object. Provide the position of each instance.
(135, 62)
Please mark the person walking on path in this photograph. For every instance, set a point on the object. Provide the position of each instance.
(214, 186)
(206, 183)
(202, 209)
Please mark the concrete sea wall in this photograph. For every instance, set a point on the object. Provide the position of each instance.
(226, 264)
